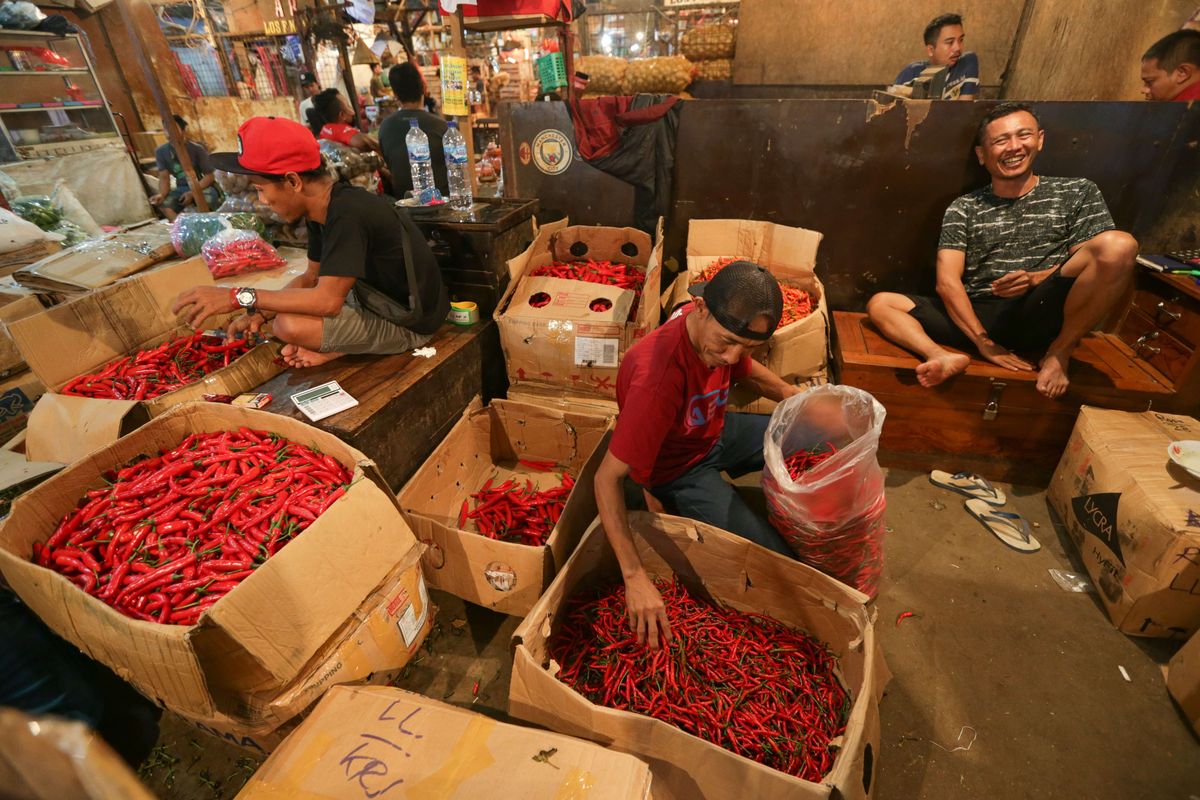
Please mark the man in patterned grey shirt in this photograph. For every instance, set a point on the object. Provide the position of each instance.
(1028, 264)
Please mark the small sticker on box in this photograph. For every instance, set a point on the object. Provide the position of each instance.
(410, 625)
(597, 352)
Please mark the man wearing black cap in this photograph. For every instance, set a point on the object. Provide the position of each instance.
(310, 87)
(372, 285)
(673, 436)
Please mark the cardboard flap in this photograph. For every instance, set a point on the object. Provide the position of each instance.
(518, 264)
(78, 336)
(100, 262)
(583, 242)
(15, 470)
(785, 249)
(571, 300)
(65, 429)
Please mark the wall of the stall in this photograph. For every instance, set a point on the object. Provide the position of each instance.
(1029, 49)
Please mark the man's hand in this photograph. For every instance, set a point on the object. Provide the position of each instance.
(156, 199)
(187, 198)
(646, 610)
(238, 327)
(1002, 357)
(1014, 284)
(201, 303)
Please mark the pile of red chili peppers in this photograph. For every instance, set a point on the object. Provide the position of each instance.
(149, 373)
(516, 512)
(239, 256)
(797, 304)
(744, 682)
(172, 534)
(802, 461)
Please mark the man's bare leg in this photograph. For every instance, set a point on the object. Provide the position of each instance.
(889, 312)
(1102, 268)
(302, 335)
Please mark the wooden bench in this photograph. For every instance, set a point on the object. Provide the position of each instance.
(988, 420)
(406, 404)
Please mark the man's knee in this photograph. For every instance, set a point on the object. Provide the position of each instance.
(291, 328)
(884, 303)
(1115, 250)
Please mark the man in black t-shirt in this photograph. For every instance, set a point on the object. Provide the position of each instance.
(360, 294)
(409, 87)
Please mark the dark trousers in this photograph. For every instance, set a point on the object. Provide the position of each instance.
(703, 494)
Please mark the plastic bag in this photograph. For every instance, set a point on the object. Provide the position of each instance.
(38, 209)
(72, 234)
(236, 252)
(16, 233)
(189, 232)
(348, 163)
(20, 15)
(831, 515)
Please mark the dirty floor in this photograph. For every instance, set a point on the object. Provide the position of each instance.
(1006, 686)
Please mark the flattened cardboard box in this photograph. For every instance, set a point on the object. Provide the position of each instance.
(266, 631)
(798, 353)
(83, 335)
(487, 443)
(1135, 517)
(385, 742)
(11, 360)
(743, 576)
(1183, 680)
(100, 262)
(565, 346)
(19, 396)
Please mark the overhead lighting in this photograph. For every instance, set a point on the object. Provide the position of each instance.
(633, 48)
(640, 36)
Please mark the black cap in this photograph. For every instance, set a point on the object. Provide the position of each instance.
(307, 78)
(740, 293)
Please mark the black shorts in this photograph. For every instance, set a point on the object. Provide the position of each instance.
(1024, 324)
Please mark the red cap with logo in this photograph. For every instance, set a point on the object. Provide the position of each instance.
(271, 146)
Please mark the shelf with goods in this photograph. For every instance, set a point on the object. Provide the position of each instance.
(52, 103)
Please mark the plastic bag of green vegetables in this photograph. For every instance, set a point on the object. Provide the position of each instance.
(189, 232)
(38, 209)
(72, 234)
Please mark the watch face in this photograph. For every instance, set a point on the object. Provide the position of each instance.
(246, 297)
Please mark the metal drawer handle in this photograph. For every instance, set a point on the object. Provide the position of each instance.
(1163, 316)
(1142, 349)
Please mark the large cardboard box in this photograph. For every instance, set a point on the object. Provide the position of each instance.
(488, 442)
(276, 627)
(385, 742)
(1183, 680)
(84, 334)
(19, 396)
(564, 347)
(739, 574)
(13, 309)
(1135, 517)
(798, 353)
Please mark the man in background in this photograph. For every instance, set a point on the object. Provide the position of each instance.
(944, 48)
(1171, 67)
(310, 87)
(409, 88)
(172, 201)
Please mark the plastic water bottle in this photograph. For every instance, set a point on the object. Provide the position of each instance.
(457, 168)
(421, 165)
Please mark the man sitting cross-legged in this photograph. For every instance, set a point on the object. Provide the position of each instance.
(1028, 264)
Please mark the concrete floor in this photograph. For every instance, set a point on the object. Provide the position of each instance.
(996, 647)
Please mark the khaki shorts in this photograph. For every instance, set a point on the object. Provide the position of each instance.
(355, 330)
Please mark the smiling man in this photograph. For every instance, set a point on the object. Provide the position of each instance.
(372, 284)
(1171, 67)
(673, 436)
(1028, 264)
(944, 39)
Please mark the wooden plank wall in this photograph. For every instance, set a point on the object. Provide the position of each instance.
(861, 44)
(1053, 49)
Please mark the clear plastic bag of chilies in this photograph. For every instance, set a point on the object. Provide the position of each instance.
(236, 252)
(823, 484)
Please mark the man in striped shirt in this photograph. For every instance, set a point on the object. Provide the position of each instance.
(1029, 264)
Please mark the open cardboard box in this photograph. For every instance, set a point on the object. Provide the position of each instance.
(488, 442)
(269, 631)
(83, 335)
(798, 353)
(385, 742)
(565, 347)
(744, 576)
(1183, 680)
(13, 309)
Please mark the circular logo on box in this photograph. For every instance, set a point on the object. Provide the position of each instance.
(551, 152)
(525, 153)
(434, 558)
(500, 576)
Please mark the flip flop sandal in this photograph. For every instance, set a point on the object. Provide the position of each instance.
(969, 484)
(1010, 528)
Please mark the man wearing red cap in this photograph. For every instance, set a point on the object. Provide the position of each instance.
(372, 284)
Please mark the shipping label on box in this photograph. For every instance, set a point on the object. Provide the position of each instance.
(1135, 517)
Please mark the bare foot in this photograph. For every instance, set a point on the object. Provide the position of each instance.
(941, 367)
(301, 357)
(1052, 377)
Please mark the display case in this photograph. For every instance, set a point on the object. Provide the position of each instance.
(51, 103)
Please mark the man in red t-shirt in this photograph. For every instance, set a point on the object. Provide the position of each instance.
(1171, 67)
(673, 436)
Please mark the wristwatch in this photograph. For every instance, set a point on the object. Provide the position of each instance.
(246, 298)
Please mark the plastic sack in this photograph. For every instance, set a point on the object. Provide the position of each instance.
(236, 252)
(189, 232)
(20, 15)
(38, 209)
(16, 233)
(348, 163)
(831, 515)
(72, 234)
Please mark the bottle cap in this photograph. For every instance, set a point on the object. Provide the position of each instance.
(412, 123)
(451, 124)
